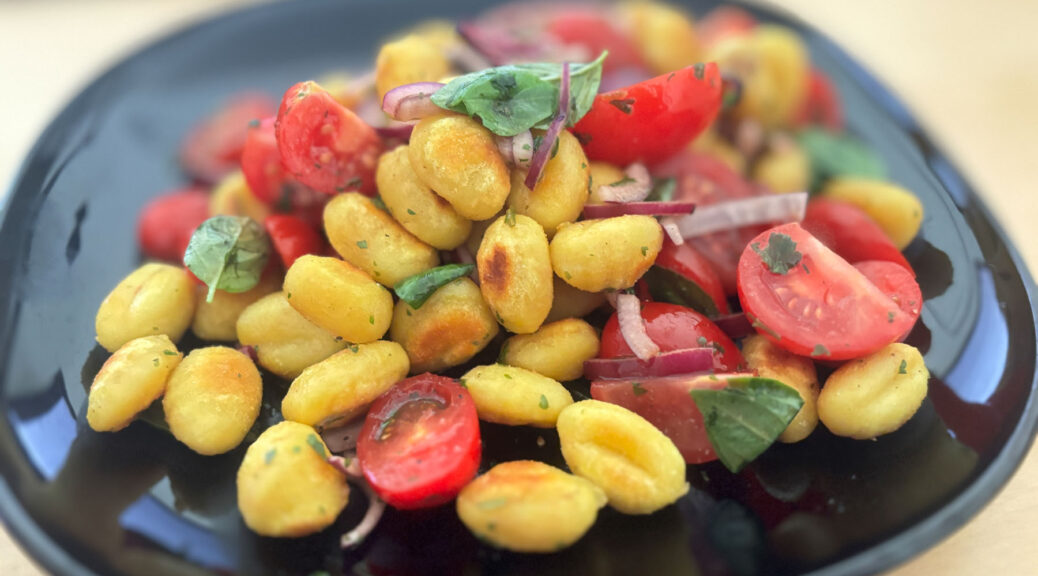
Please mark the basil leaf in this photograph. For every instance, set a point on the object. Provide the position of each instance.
(663, 190)
(415, 290)
(228, 253)
(838, 155)
(745, 418)
(515, 98)
(669, 286)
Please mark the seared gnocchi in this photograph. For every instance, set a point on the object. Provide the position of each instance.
(154, 299)
(515, 396)
(339, 297)
(557, 350)
(130, 380)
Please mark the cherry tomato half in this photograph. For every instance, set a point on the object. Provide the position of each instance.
(261, 162)
(697, 270)
(666, 403)
(213, 148)
(595, 32)
(674, 327)
(166, 223)
(820, 307)
(652, 120)
(420, 442)
(323, 144)
(896, 282)
(292, 237)
(850, 232)
(821, 105)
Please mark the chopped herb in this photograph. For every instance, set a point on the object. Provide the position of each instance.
(289, 296)
(169, 353)
(621, 182)
(155, 361)
(645, 250)
(509, 377)
(371, 319)
(699, 69)
(781, 253)
(377, 201)
(338, 338)
(702, 341)
(355, 182)
(583, 165)
(890, 317)
(568, 275)
(544, 402)
(353, 347)
(492, 504)
(761, 326)
(819, 350)
(461, 382)
(717, 348)
(363, 244)
(623, 105)
(804, 266)
(903, 368)
(228, 253)
(510, 217)
(638, 389)
(663, 190)
(408, 311)
(254, 123)
(415, 290)
(317, 446)
(269, 456)
(411, 212)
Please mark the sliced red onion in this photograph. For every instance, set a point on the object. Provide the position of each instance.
(395, 131)
(736, 325)
(612, 209)
(684, 361)
(635, 188)
(348, 465)
(343, 438)
(411, 101)
(670, 226)
(367, 524)
(249, 351)
(504, 148)
(774, 208)
(522, 148)
(543, 152)
(632, 327)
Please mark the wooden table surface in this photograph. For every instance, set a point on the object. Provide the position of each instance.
(969, 74)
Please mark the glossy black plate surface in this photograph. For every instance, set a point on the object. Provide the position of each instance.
(136, 502)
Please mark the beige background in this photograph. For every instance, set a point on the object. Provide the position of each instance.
(969, 70)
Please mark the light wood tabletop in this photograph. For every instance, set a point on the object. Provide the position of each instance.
(966, 70)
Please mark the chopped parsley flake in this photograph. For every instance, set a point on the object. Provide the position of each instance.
(269, 456)
(371, 319)
(702, 341)
(638, 389)
(354, 348)
(890, 317)
(903, 368)
(544, 402)
(820, 350)
(624, 105)
(169, 353)
(317, 446)
(411, 212)
(781, 253)
(363, 244)
(761, 326)
(645, 250)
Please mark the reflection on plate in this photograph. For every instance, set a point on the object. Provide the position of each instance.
(139, 503)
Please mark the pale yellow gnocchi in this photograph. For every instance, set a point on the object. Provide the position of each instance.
(896, 210)
(154, 299)
(515, 396)
(414, 58)
(794, 371)
(557, 350)
(233, 197)
(515, 274)
(570, 302)
(529, 506)
(129, 381)
(784, 168)
(874, 395)
(665, 36)
(218, 320)
(286, 487)
(562, 190)
(606, 254)
(339, 388)
(637, 466)
(212, 399)
(284, 340)
(339, 297)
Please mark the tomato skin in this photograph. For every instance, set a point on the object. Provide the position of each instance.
(663, 115)
(823, 307)
(848, 231)
(323, 144)
(896, 282)
(595, 32)
(667, 404)
(212, 149)
(821, 105)
(292, 237)
(166, 223)
(674, 327)
(420, 442)
(688, 262)
(261, 162)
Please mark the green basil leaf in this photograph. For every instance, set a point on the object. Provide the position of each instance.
(228, 253)
(669, 286)
(515, 98)
(663, 190)
(745, 418)
(834, 154)
(415, 290)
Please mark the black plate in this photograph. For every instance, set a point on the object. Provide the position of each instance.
(136, 502)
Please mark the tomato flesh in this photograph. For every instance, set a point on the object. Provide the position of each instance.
(850, 232)
(822, 307)
(420, 442)
(694, 267)
(213, 148)
(674, 327)
(897, 283)
(166, 224)
(323, 144)
(261, 162)
(292, 237)
(652, 120)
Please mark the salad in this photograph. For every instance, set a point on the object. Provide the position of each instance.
(649, 234)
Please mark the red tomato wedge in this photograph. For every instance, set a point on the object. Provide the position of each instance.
(323, 144)
(213, 148)
(166, 223)
(821, 306)
(652, 120)
(261, 162)
(595, 32)
(694, 267)
(821, 105)
(292, 237)
(896, 282)
(666, 403)
(674, 327)
(850, 232)
(420, 442)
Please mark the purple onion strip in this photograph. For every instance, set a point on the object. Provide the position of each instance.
(543, 152)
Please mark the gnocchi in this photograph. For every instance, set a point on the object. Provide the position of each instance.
(284, 340)
(606, 254)
(515, 396)
(515, 274)
(129, 381)
(339, 297)
(557, 350)
(154, 299)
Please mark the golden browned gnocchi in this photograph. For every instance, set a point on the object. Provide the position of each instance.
(218, 320)
(457, 157)
(560, 194)
(515, 272)
(415, 206)
(896, 210)
(664, 35)
(794, 371)
(637, 466)
(452, 326)
(154, 299)
(232, 197)
(286, 487)
(414, 58)
(212, 399)
(606, 254)
(339, 297)
(515, 396)
(130, 380)
(874, 395)
(529, 506)
(284, 340)
(570, 302)
(340, 387)
(373, 241)
(557, 350)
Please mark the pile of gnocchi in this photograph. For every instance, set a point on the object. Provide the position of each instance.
(645, 232)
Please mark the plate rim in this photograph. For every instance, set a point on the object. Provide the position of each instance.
(912, 542)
